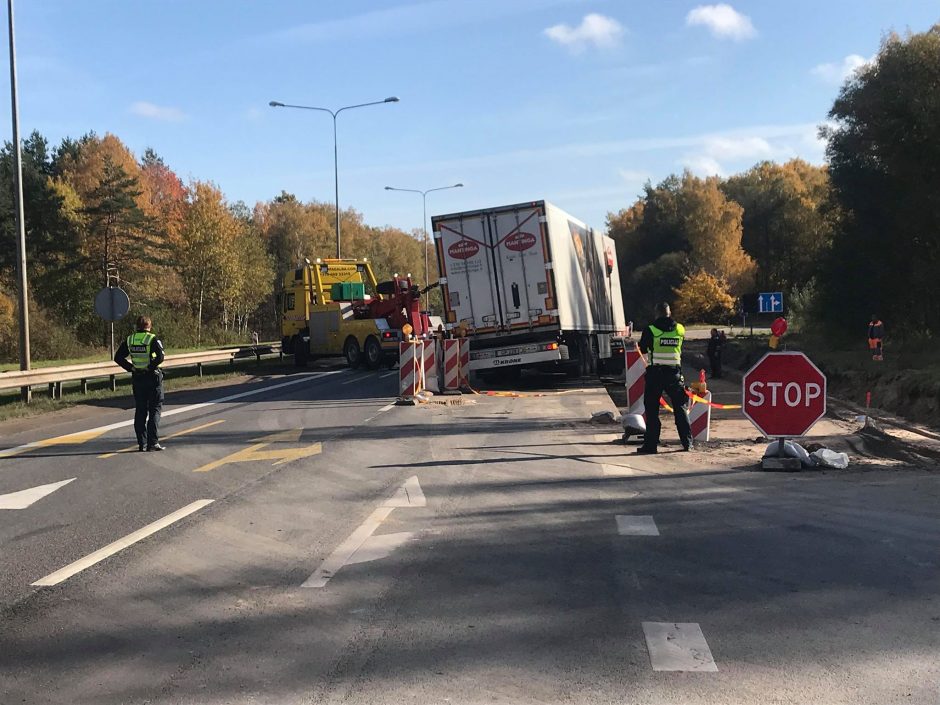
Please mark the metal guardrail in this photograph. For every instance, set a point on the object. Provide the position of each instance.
(55, 376)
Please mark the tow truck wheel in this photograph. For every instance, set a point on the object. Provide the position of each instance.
(373, 352)
(352, 352)
(301, 352)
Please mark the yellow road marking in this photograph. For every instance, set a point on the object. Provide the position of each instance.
(256, 451)
(172, 435)
(71, 438)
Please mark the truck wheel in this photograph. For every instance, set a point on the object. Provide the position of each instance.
(373, 352)
(352, 353)
(593, 354)
(301, 352)
(584, 356)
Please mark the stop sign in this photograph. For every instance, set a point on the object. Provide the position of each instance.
(784, 394)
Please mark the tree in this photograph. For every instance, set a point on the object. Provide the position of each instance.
(703, 298)
(205, 251)
(712, 227)
(117, 227)
(683, 224)
(884, 156)
(787, 222)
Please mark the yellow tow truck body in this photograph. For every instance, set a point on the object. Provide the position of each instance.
(325, 313)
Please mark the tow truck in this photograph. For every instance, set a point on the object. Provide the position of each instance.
(336, 307)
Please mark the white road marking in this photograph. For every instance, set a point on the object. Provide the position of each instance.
(636, 525)
(376, 548)
(82, 436)
(356, 379)
(342, 553)
(678, 647)
(408, 495)
(387, 407)
(119, 545)
(25, 498)
(388, 374)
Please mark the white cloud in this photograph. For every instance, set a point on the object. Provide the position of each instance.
(718, 149)
(748, 147)
(410, 18)
(157, 112)
(837, 73)
(632, 176)
(597, 30)
(723, 21)
(784, 141)
(703, 165)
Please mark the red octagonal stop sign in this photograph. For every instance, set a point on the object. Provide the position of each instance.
(784, 394)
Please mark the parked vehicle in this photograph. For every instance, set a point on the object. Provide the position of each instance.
(333, 307)
(531, 286)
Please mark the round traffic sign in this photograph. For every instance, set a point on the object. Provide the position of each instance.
(112, 304)
(784, 394)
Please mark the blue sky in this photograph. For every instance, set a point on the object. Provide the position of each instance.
(575, 101)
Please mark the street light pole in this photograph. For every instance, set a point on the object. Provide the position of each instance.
(334, 114)
(424, 221)
(20, 216)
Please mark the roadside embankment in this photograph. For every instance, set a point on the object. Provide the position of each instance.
(905, 383)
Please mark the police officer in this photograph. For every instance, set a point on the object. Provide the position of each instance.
(146, 355)
(661, 341)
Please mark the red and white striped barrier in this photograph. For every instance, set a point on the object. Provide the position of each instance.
(635, 381)
(700, 417)
(410, 370)
(456, 364)
(431, 380)
(464, 363)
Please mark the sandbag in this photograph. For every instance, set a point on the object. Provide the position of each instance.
(791, 450)
(826, 458)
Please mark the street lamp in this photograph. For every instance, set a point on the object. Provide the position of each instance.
(424, 222)
(22, 289)
(334, 113)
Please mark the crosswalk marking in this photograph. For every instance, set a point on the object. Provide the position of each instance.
(678, 646)
(638, 525)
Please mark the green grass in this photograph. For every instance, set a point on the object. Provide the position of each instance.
(11, 407)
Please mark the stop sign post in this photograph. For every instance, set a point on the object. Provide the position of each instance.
(784, 395)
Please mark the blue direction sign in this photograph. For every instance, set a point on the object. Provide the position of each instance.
(770, 302)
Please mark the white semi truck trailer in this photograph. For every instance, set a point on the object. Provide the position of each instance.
(531, 286)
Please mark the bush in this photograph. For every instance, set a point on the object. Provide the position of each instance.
(702, 298)
(49, 338)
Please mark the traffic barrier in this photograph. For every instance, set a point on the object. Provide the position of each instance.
(456, 364)
(410, 370)
(713, 405)
(700, 418)
(464, 373)
(432, 380)
(635, 381)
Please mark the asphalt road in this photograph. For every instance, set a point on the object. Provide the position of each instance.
(501, 551)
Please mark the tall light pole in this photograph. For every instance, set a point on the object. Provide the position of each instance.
(424, 221)
(20, 217)
(334, 113)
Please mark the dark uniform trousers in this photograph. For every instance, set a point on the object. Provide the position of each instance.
(661, 379)
(148, 396)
